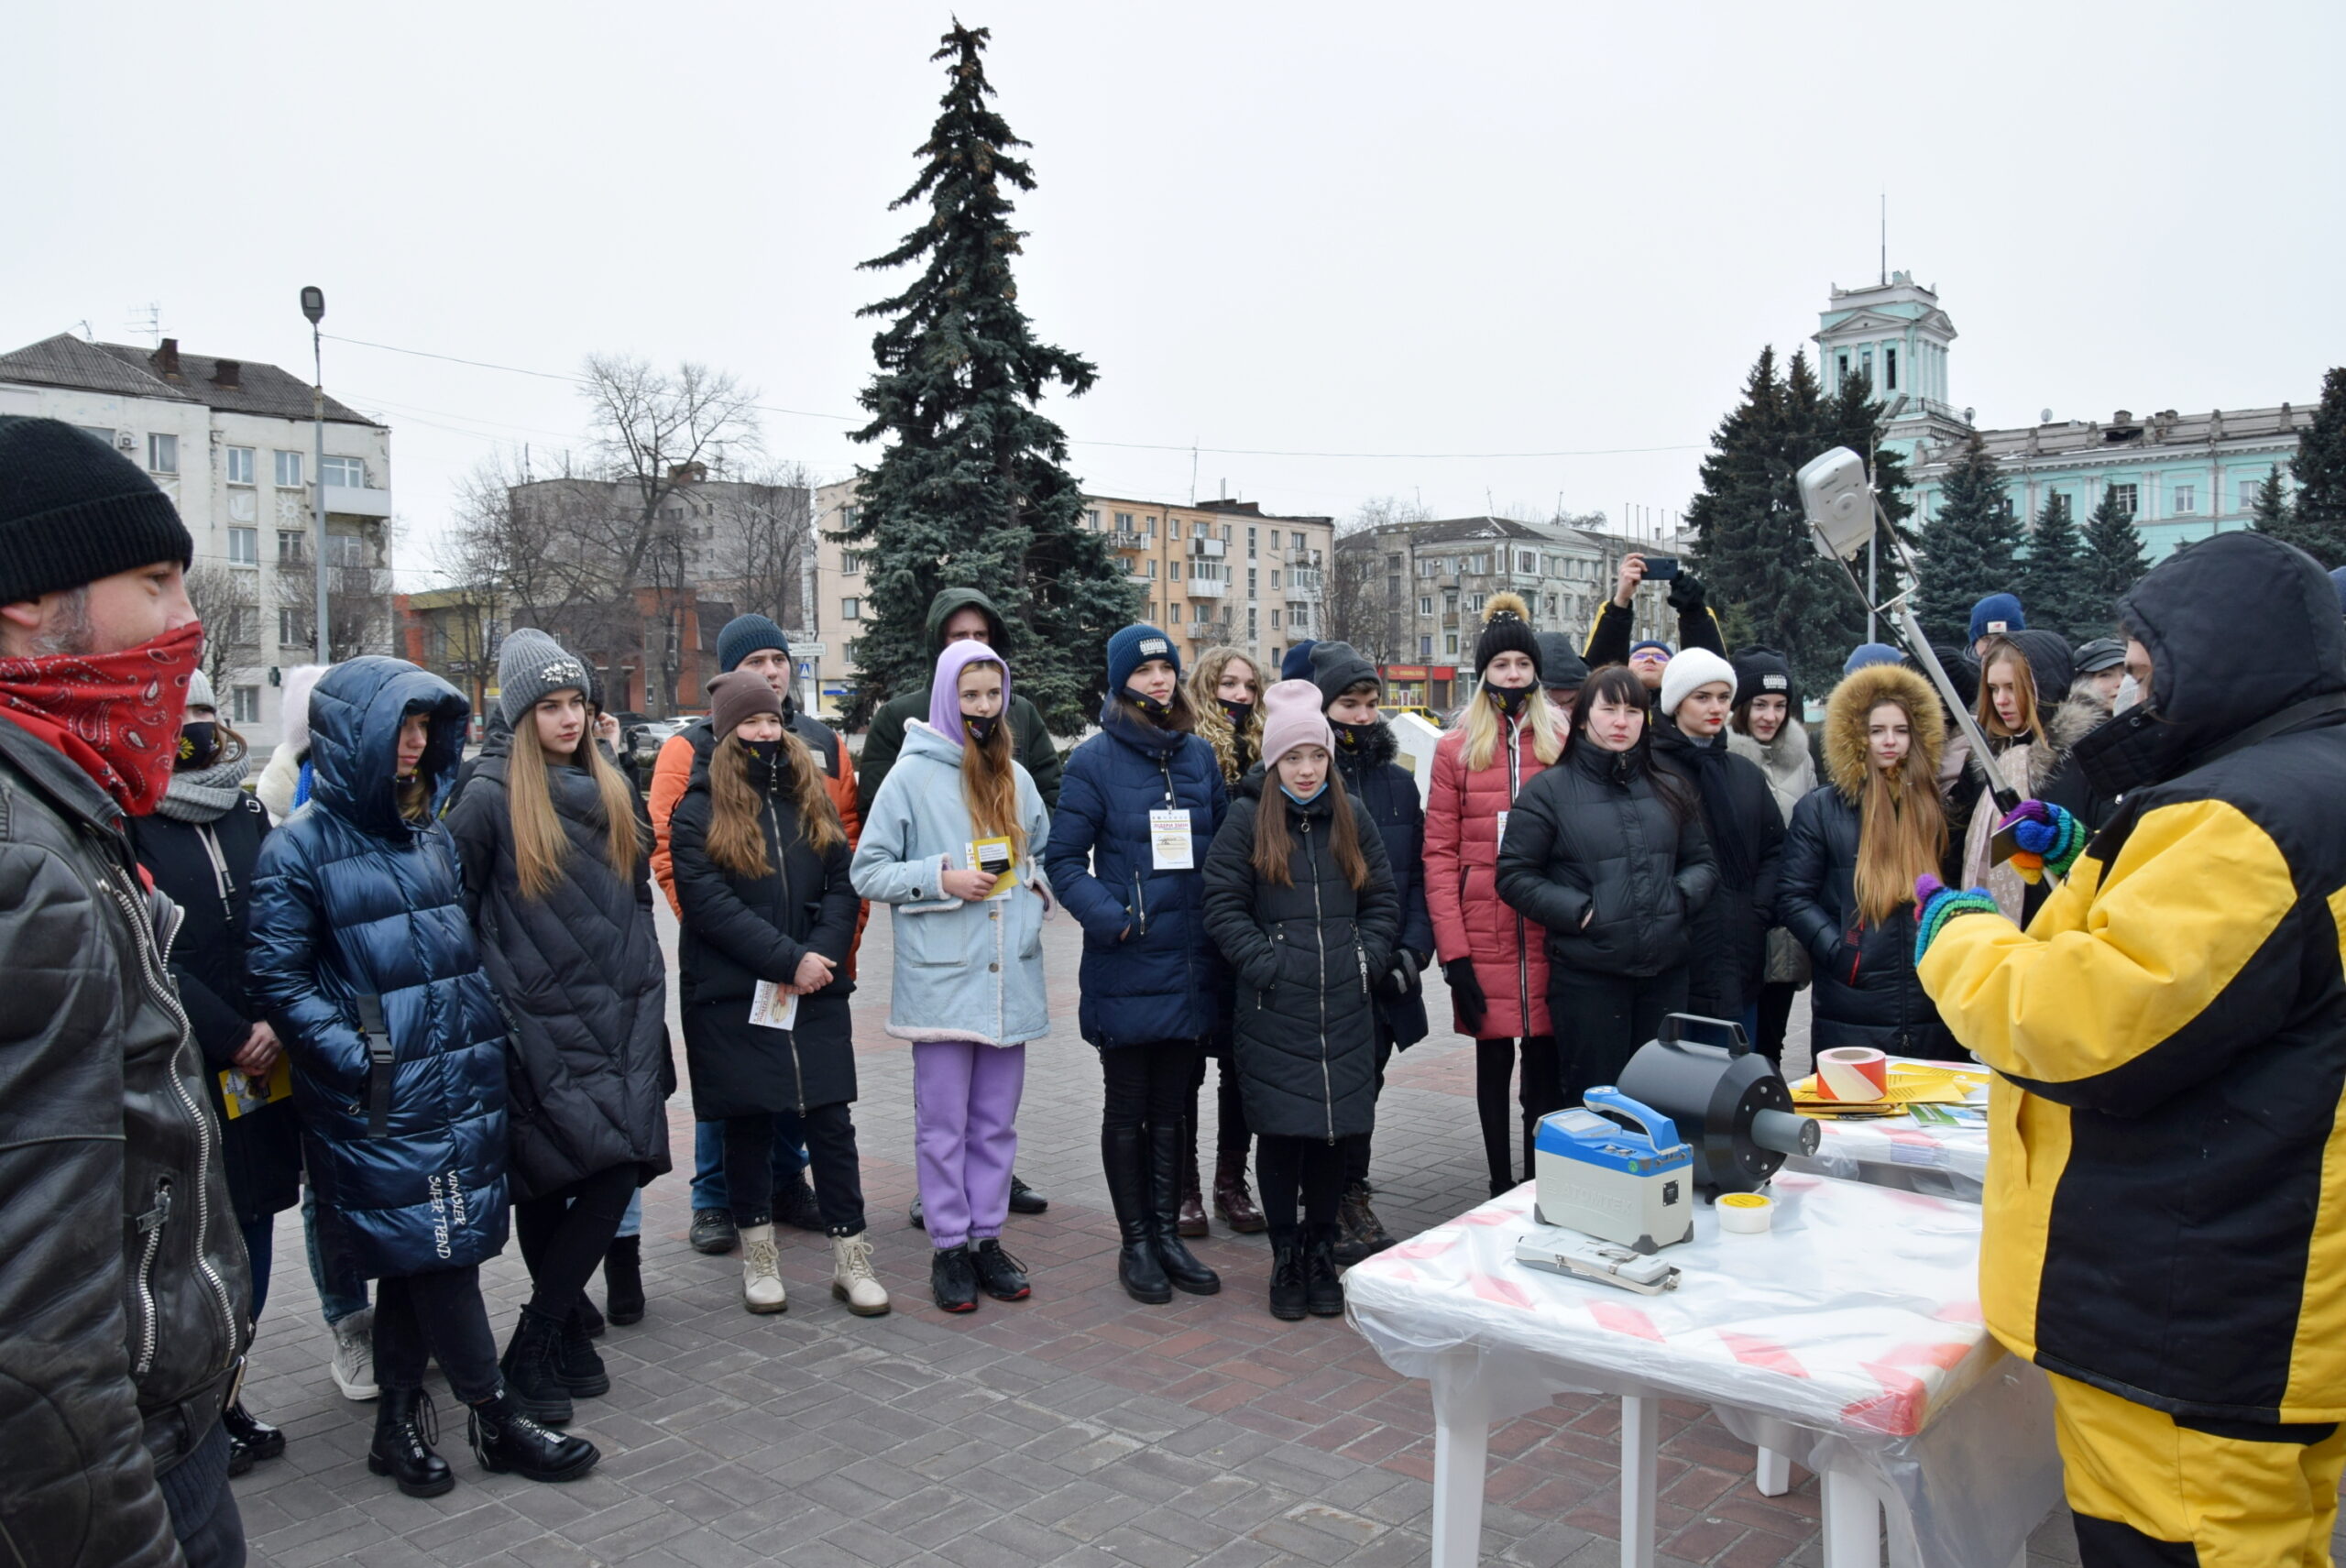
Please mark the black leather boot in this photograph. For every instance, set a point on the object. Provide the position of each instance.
(1123, 1154)
(506, 1439)
(1169, 1161)
(249, 1438)
(1323, 1297)
(623, 1280)
(1287, 1275)
(577, 1366)
(405, 1429)
(533, 1369)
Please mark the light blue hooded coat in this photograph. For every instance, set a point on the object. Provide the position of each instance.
(963, 972)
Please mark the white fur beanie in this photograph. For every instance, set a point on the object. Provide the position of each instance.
(1694, 667)
(293, 710)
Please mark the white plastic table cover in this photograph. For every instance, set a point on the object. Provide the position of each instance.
(1897, 1151)
(1848, 1337)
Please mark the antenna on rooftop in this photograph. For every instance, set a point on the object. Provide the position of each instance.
(1885, 238)
(148, 319)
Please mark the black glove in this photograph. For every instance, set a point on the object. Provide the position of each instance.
(1686, 594)
(1402, 979)
(1466, 993)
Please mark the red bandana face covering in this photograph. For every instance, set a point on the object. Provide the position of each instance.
(116, 714)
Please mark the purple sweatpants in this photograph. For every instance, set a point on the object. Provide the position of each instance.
(965, 1120)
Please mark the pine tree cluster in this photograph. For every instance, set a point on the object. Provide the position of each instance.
(2314, 520)
(1753, 546)
(971, 488)
(1970, 548)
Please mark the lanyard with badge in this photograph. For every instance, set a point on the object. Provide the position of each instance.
(1170, 847)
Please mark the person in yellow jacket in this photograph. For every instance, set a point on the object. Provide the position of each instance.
(2166, 1205)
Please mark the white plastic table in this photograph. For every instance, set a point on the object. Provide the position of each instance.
(1898, 1151)
(1848, 1337)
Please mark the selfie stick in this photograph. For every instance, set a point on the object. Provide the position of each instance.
(1837, 494)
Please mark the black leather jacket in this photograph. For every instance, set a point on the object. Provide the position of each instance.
(125, 1293)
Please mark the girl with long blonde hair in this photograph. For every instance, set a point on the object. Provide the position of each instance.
(761, 865)
(2024, 679)
(1846, 889)
(1225, 688)
(1494, 958)
(557, 883)
(953, 844)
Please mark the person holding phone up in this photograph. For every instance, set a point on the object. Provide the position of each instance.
(1609, 641)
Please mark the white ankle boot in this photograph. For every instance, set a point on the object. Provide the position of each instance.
(853, 1280)
(762, 1289)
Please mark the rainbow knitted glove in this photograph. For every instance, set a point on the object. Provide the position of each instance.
(1935, 904)
(2047, 835)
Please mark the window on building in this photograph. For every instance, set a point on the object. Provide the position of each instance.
(2250, 492)
(244, 705)
(1148, 526)
(1225, 534)
(240, 465)
(293, 546)
(2187, 498)
(244, 547)
(1274, 576)
(1551, 607)
(1527, 563)
(1173, 530)
(850, 609)
(1173, 570)
(1889, 367)
(847, 651)
(1449, 601)
(1475, 602)
(1173, 612)
(351, 473)
(102, 434)
(1429, 567)
(345, 550)
(1425, 603)
(1152, 567)
(2124, 497)
(1274, 620)
(292, 632)
(1249, 578)
(1482, 565)
(847, 516)
(1865, 360)
(1123, 523)
(1450, 642)
(1842, 361)
(163, 454)
(1251, 531)
(289, 470)
(850, 563)
(1091, 520)
(1425, 647)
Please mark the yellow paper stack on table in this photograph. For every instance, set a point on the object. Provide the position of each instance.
(1905, 1083)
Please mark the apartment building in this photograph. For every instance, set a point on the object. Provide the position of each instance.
(232, 443)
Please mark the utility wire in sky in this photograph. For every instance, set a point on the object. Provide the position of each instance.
(1081, 441)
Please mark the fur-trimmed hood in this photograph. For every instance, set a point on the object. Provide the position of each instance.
(1844, 725)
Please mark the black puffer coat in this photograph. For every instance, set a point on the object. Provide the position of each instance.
(206, 868)
(1729, 936)
(1594, 833)
(1385, 795)
(740, 930)
(584, 984)
(1306, 955)
(1867, 992)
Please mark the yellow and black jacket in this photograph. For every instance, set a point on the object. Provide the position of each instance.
(2166, 1187)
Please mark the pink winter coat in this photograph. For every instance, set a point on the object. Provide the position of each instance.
(1469, 920)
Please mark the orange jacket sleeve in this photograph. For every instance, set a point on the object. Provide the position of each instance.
(671, 773)
(842, 790)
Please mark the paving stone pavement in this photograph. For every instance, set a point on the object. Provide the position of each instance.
(1075, 1429)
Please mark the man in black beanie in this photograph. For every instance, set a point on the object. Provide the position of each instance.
(110, 1396)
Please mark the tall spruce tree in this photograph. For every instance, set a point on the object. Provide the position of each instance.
(2114, 563)
(2056, 579)
(2319, 468)
(1970, 548)
(2273, 513)
(1753, 545)
(971, 489)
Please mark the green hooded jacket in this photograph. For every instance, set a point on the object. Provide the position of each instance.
(1030, 740)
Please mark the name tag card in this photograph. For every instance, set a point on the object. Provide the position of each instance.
(770, 1007)
(1170, 847)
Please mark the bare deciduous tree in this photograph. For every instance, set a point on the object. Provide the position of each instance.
(226, 601)
(763, 540)
(1365, 606)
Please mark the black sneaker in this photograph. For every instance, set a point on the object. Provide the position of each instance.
(1024, 1199)
(1000, 1275)
(793, 1205)
(953, 1279)
(713, 1231)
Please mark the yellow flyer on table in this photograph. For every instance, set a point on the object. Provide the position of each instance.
(994, 855)
(770, 1007)
(241, 1096)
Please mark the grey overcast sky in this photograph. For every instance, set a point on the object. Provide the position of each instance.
(1398, 233)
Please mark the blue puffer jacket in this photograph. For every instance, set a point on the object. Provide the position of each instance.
(351, 899)
(1150, 971)
(1385, 796)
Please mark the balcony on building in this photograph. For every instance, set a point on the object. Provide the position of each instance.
(1209, 587)
(1209, 549)
(1299, 556)
(1309, 580)
(356, 501)
(1126, 539)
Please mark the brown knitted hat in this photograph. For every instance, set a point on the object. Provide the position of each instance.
(739, 695)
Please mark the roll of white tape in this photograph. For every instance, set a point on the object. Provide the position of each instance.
(1852, 1072)
(1746, 1213)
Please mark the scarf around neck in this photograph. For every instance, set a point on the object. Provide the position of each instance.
(205, 794)
(115, 716)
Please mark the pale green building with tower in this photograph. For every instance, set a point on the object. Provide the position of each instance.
(2182, 476)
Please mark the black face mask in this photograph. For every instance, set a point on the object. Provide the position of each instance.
(1351, 737)
(980, 731)
(1236, 712)
(1512, 700)
(764, 758)
(199, 743)
(1156, 712)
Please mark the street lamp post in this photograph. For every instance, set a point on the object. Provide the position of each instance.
(1873, 559)
(314, 305)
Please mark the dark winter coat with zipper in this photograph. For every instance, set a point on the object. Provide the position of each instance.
(206, 868)
(1729, 936)
(1594, 840)
(739, 930)
(583, 981)
(1385, 797)
(1150, 973)
(1307, 957)
(352, 899)
(123, 1281)
(1867, 992)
